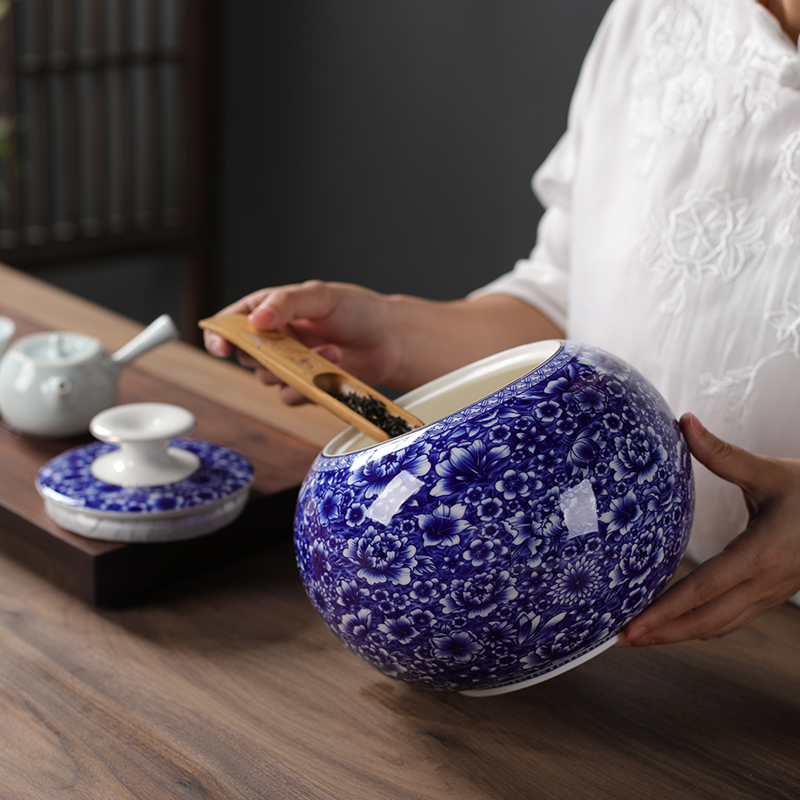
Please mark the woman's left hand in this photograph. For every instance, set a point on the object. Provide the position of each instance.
(758, 570)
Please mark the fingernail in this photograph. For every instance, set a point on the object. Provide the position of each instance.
(262, 316)
(636, 633)
(695, 423)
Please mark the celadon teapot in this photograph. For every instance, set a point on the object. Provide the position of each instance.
(53, 383)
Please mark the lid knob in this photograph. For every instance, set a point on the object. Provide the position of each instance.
(143, 432)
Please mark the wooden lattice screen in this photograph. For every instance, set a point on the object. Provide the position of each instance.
(105, 143)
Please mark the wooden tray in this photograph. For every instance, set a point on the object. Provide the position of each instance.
(105, 573)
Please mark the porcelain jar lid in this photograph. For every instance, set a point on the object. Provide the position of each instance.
(141, 482)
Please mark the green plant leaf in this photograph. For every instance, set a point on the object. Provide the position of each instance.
(6, 126)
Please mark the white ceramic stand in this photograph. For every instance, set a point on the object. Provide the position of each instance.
(143, 432)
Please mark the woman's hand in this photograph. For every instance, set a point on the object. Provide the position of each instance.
(758, 570)
(385, 340)
(346, 324)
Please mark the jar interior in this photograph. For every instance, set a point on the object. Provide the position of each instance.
(458, 389)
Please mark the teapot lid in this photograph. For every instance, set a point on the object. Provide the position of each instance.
(57, 348)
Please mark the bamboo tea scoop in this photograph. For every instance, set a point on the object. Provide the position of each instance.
(320, 380)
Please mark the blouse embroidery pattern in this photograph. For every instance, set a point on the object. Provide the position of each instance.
(788, 170)
(669, 43)
(736, 385)
(749, 102)
(686, 102)
(708, 236)
(681, 51)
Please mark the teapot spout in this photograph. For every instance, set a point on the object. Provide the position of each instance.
(157, 332)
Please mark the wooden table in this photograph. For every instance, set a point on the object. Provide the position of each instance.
(231, 410)
(227, 685)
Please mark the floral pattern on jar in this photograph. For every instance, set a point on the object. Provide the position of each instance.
(522, 532)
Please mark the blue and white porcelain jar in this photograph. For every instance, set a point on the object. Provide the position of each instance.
(546, 503)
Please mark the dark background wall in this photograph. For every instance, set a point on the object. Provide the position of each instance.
(389, 144)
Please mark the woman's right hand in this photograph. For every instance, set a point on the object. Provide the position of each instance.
(347, 324)
(385, 340)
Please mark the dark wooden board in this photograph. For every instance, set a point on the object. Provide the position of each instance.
(104, 573)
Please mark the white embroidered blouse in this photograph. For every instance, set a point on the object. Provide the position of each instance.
(671, 235)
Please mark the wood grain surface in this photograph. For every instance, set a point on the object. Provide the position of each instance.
(106, 572)
(226, 685)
